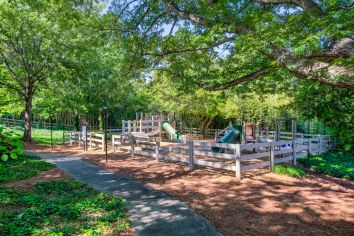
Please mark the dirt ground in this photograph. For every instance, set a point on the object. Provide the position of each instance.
(261, 204)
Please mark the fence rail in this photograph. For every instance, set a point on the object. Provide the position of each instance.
(35, 123)
(233, 157)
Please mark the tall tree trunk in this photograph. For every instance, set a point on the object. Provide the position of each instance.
(100, 120)
(27, 135)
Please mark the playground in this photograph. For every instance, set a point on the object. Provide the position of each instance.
(236, 148)
(261, 203)
(225, 175)
(174, 117)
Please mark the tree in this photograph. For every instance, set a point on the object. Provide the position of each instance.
(34, 37)
(333, 107)
(198, 107)
(312, 40)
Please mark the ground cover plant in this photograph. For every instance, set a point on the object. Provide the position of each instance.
(64, 207)
(338, 164)
(292, 171)
(10, 146)
(22, 168)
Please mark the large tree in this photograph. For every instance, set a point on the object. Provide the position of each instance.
(312, 40)
(35, 38)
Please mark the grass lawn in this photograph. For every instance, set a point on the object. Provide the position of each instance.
(337, 164)
(64, 207)
(40, 136)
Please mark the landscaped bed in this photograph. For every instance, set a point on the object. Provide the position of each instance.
(38, 199)
(260, 204)
(337, 164)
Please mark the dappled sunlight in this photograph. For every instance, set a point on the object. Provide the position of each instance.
(262, 203)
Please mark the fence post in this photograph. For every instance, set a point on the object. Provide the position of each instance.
(132, 146)
(80, 138)
(294, 152)
(71, 140)
(157, 151)
(309, 147)
(320, 144)
(271, 161)
(191, 155)
(238, 162)
(90, 140)
(129, 127)
(113, 137)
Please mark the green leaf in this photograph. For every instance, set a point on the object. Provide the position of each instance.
(4, 157)
(13, 155)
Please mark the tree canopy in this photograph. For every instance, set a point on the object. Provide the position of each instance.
(226, 43)
(207, 61)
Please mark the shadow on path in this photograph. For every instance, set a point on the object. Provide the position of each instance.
(151, 212)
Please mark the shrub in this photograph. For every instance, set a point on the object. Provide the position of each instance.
(338, 164)
(10, 146)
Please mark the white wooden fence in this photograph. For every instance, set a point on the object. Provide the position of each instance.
(140, 126)
(231, 157)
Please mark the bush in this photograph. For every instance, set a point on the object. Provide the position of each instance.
(10, 146)
(338, 164)
(292, 171)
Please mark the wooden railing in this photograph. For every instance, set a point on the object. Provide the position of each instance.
(232, 157)
(139, 126)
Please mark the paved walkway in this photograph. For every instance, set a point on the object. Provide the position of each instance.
(151, 212)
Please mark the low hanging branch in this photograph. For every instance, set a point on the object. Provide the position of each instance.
(249, 77)
(169, 52)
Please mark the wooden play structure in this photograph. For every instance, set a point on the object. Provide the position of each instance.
(253, 146)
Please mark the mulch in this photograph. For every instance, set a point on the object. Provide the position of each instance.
(261, 204)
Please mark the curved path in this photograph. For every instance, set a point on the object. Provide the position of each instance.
(151, 212)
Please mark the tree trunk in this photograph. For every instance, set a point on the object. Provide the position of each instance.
(100, 120)
(27, 135)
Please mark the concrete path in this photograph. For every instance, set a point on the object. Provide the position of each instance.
(151, 212)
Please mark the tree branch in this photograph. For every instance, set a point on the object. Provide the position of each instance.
(12, 72)
(249, 77)
(169, 52)
(323, 72)
(306, 5)
(236, 27)
(342, 49)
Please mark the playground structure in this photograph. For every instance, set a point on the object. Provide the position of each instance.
(237, 148)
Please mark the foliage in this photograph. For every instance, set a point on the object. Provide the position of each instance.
(292, 171)
(252, 107)
(10, 146)
(65, 207)
(199, 107)
(334, 107)
(22, 168)
(337, 164)
(216, 42)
